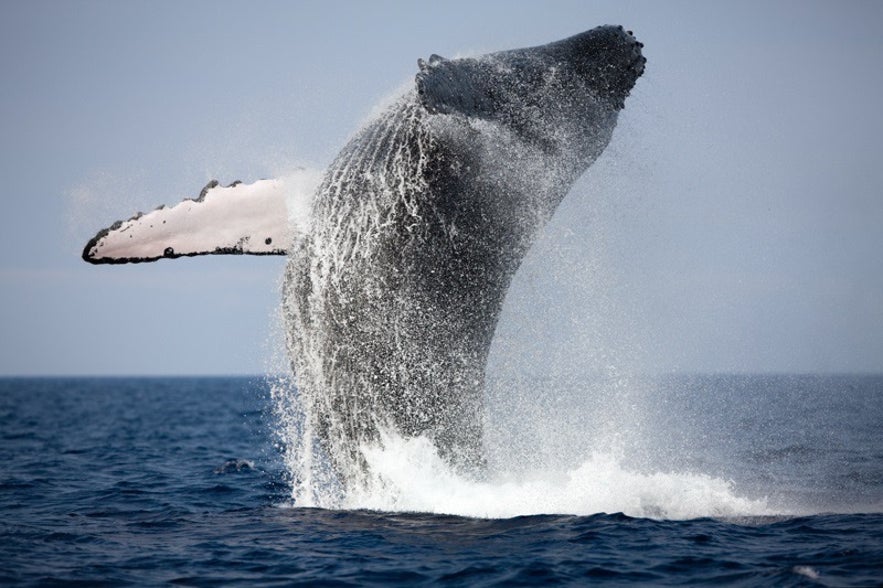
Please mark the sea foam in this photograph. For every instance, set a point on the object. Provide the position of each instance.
(408, 475)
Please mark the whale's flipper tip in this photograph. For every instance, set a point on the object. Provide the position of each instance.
(237, 219)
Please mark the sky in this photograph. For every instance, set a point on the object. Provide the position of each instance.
(735, 223)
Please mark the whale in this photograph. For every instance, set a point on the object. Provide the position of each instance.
(399, 264)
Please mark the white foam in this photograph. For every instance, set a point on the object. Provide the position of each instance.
(408, 475)
(806, 571)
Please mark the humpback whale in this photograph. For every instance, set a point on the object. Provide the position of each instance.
(395, 281)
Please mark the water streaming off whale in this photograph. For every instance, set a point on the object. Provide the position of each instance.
(393, 295)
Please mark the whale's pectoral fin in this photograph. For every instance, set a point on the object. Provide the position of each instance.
(236, 219)
(447, 86)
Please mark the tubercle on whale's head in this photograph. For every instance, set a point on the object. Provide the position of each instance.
(607, 58)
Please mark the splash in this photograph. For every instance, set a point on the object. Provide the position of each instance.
(408, 475)
(547, 453)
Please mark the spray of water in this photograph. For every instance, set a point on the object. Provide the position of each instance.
(549, 449)
(409, 475)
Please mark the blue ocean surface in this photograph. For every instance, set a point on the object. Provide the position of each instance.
(144, 481)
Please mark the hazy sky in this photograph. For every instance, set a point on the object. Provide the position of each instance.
(735, 223)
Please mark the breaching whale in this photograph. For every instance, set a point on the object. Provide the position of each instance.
(395, 281)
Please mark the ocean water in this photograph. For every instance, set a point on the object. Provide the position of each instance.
(714, 480)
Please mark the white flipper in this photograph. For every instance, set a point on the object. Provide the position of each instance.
(236, 219)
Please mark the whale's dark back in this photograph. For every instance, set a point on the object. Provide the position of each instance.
(418, 227)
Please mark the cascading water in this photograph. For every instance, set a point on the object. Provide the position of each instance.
(353, 349)
(391, 298)
(371, 463)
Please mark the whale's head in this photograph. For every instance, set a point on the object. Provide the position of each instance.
(563, 97)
